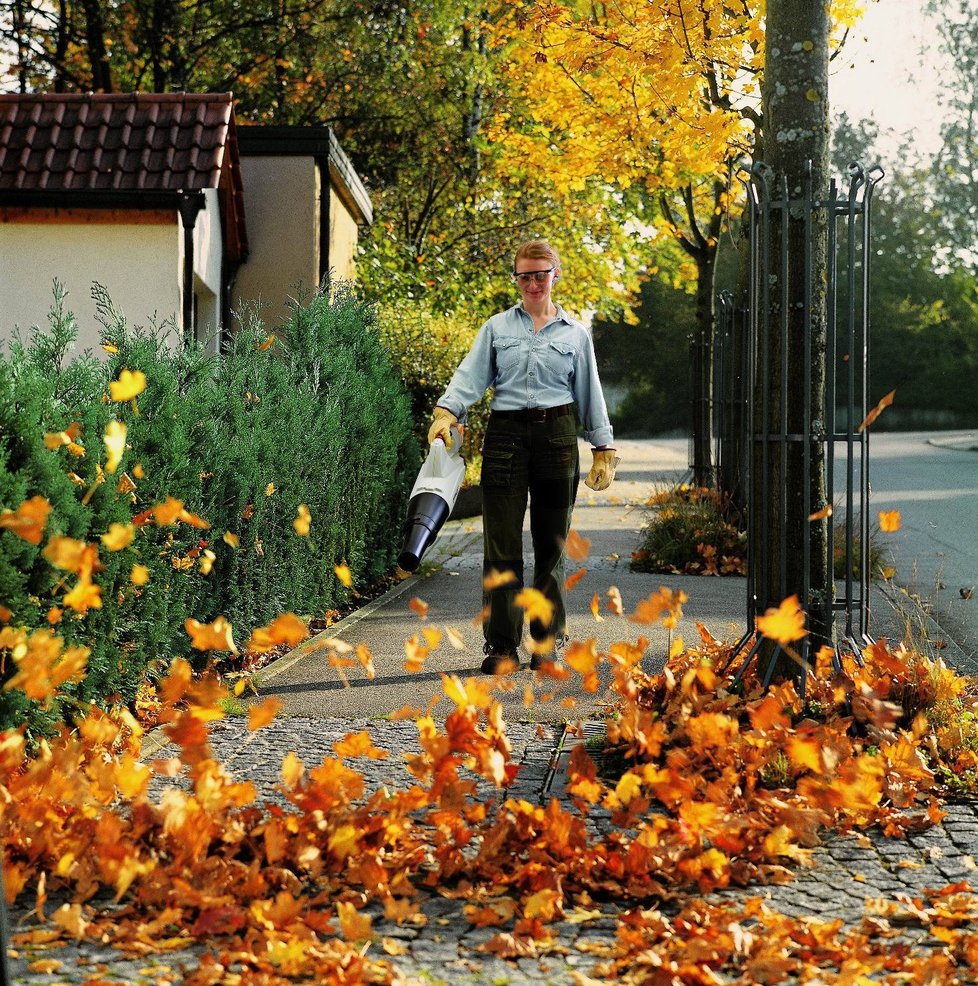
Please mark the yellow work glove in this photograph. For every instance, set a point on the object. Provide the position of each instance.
(441, 426)
(602, 469)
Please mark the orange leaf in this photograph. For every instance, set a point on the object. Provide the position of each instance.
(784, 624)
(118, 536)
(614, 604)
(664, 604)
(574, 578)
(139, 575)
(262, 714)
(366, 661)
(826, 511)
(353, 926)
(210, 636)
(495, 580)
(168, 512)
(582, 656)
(358, 745)
(889, 521)
(286, 628)
(877, 411)
(419, 606)
(577, 547)
(596, 608)
(28, 520)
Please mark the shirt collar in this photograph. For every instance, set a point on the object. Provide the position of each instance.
(560, 315)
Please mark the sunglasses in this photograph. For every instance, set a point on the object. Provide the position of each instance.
(533, 275)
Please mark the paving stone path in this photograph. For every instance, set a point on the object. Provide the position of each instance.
(848, 870)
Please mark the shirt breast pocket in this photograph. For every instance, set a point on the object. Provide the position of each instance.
(560, 358)
(506, 350)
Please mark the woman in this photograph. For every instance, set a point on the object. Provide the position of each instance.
(541, 364)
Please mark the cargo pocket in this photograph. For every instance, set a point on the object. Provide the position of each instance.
(558, 459)
(497, 468)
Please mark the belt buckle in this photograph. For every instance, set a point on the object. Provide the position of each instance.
(538, 415)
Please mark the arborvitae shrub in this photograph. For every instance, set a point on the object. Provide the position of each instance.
(318, 418)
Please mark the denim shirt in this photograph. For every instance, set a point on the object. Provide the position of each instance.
(529, 369)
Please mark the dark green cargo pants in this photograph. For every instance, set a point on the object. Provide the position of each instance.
(536, 460)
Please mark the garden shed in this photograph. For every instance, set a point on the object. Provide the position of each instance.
(147, 195)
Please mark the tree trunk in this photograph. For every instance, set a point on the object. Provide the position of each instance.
(98, 54)
(796, 128)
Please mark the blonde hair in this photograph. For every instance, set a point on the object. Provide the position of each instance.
(536, 250)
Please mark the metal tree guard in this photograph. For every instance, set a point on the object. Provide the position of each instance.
(837, 427)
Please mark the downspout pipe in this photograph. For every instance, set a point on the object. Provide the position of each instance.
(191, 204)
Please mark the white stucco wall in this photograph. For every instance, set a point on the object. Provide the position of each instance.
(343, 234)
(281, 203)
(137, 263)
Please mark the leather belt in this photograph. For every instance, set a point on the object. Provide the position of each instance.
(535, 415)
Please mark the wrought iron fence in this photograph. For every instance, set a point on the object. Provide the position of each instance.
(746, 447)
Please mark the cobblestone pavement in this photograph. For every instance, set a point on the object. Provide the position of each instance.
(847, 871)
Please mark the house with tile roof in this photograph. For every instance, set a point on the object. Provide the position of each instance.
(146, 195)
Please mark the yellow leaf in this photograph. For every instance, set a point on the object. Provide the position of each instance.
(455, 638)
(115, 444)
(231, 539)
(496, 580)
(270, 489)
(889, 521)
(206, 561)
(118, 536)
(302, 521)
(353, 926)
(628, 787)
(536, 606)
(139, 575)
(130, 384)
(785, 624)
(344, 574)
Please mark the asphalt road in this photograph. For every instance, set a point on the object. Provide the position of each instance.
(932, 479)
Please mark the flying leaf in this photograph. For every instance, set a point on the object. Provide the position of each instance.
(785, 624)
(596, 608)
(577, 547)
(826, 511)
(303, 520)
(664, 604)
(262, 714)
(419, 606)
(366, 661)
(344, 574)
(231, 539)
(536, 606)
(496, 580)
(139, 575)
(574, 578)
(130, 384)
(877, 411)
(269, 489)
(115, 444)
(210, 636)
(118, 536)
(614, 604)
(28, 520)
(455, 638)
(286, 628)
(889, 521)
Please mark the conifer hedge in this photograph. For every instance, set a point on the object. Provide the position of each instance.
(314, 415)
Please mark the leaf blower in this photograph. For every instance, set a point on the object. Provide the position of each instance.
(432, 499)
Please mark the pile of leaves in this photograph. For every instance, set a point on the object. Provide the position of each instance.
(692, 530)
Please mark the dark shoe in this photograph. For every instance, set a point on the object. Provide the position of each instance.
(537, 661)
(500, 660)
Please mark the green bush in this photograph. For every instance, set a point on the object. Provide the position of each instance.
(426, 349)
(319, 418)
(691, 530)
